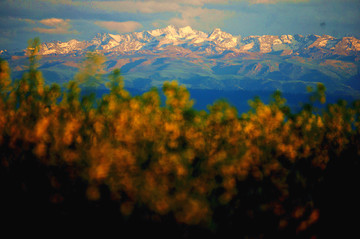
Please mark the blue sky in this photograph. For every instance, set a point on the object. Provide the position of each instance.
(64, 20)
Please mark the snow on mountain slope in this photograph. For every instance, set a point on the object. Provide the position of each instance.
(223, 39)
(62, 47)
(215, 42)
(4, 53)
(348, 44)
(322, 41)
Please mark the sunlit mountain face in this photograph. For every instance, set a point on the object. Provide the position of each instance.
(213, 43)
(210, 61)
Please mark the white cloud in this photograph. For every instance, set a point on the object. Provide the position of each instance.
(201, 18)
(65, 2)
(188, 12)
(137, 6)
(194, 2)
(276, 1)
(58, 26)
(150, 6)
(54, 22)
(30, 21)
(195, 13)
(120, 27)
(153, 6)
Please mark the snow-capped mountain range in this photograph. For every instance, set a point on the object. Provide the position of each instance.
(215, 60)
(216, 42)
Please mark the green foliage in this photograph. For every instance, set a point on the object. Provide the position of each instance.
(5, 80)
(319, 94)
(91, 72)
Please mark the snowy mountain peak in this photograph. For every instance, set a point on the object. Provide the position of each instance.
(115, 37)
(169, 30)
(215, 42)
(4, 53)
(219, 35)
(216, 32)
(287, 39)
(348, 44)
(186, 30)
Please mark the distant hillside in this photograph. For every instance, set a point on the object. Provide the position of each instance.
(216, 60)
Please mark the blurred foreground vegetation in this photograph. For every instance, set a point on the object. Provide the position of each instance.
(140, 166)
